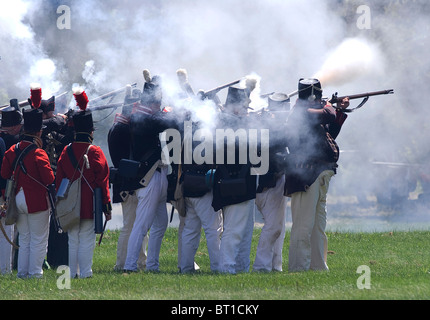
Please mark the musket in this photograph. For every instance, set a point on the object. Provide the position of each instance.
(211, 93)
(107, 106)
(21, 104)
(110, 94)
(13, 244)
(336, 99)
(101, 235)
(52, 200)
(396, 164)
(292, 94)
(265, 95)
(25, 103)
(61, 94)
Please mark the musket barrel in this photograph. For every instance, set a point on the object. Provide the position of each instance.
(110, 94)
(106, 106)
(368, 94)
(215, 90)
(292, 94)
(20, 104)
(265, 95)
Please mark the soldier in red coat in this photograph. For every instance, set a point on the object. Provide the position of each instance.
(92, 162)
(32, 175)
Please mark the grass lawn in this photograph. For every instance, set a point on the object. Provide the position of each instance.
(398, 268)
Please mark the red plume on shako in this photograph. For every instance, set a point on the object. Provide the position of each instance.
(81, 98)
(36, 95)
(82, 119)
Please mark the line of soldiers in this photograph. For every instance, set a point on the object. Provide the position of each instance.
(55, 135)
(38, 173)
(220, 198)
(302, 158)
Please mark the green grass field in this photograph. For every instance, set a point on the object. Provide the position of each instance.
(398, 262)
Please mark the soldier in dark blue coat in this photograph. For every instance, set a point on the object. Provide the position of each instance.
(56, 133)
(312, 128)
(150, 183)
(199, 212)
(234, 186)
(119, 143)
(10, 131)
(270, 199)
(11, 124)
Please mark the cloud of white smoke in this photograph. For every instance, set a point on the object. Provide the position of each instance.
(110, 42)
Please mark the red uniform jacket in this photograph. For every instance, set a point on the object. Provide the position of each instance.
(96, 176)
(36, 162)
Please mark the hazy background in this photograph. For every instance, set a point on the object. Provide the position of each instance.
(110, 42)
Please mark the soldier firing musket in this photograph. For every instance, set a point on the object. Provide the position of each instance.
(335, 98)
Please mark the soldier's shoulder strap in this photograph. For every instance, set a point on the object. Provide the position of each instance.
(20, 154)
(72, 156)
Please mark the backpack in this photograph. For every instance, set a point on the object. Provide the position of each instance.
(68, 206)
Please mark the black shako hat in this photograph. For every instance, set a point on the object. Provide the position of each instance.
(237, 96)
(11, 116)
(48, 105)
(33, 119)
(309, 89)
(83, 121)
(278, 101)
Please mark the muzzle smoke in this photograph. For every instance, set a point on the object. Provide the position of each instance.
(353, 59)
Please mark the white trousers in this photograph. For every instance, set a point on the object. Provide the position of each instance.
(82, 241)
(180, 229)
(308, 243)
(236, 238)
(151, 213)
(128, 207)
(33, 229)
(200, 213)
(273, 205)
(6, 248)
